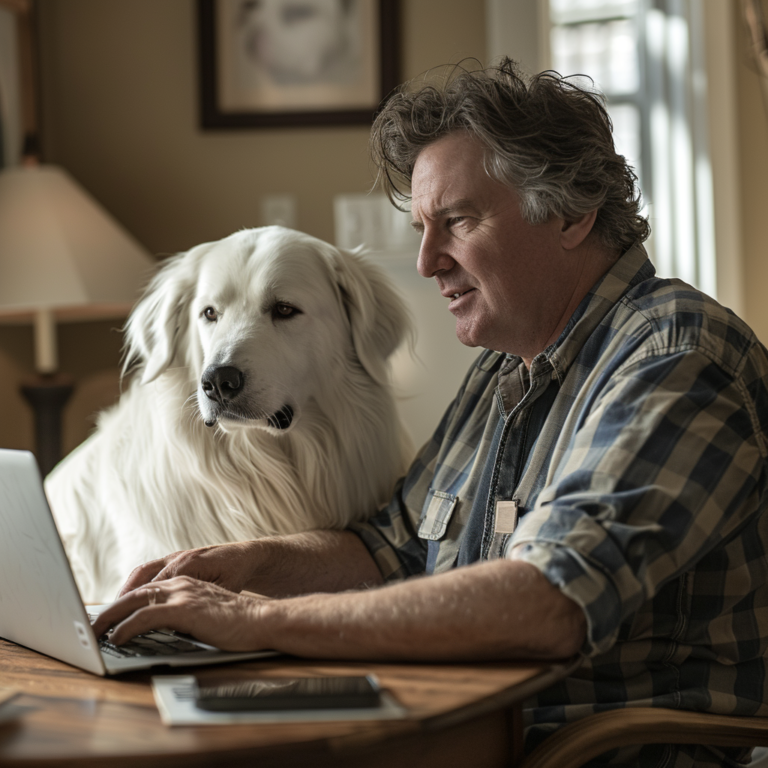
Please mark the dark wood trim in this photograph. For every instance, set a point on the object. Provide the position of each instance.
(26, 24)
(211, 117)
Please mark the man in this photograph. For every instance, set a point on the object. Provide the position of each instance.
(597, 485)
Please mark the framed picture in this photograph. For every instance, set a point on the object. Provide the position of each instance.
(270, 63)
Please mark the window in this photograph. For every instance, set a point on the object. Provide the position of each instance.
(647, 57)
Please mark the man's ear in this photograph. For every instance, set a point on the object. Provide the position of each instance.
(574, 233)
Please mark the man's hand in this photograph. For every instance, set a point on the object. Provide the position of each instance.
(229, 565)
(492, 610)
(215, 615)
(196, 591)
(276, 566)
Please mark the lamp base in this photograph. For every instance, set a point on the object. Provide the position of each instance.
(47, 394)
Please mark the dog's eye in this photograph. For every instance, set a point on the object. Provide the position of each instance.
(209, 313)
(284, 310)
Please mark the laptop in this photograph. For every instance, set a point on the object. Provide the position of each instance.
(40, 605)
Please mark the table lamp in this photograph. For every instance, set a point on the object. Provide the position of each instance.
(62, 258)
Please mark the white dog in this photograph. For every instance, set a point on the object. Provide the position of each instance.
(261, 406)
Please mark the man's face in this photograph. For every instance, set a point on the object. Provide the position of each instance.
(513, 279)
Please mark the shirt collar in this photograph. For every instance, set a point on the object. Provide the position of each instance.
(631, 268)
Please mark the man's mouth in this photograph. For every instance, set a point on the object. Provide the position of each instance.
(459, 294)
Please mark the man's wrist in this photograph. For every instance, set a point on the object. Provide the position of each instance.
(256, 565)
(266, 623)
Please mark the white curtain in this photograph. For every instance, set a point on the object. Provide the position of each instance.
(677, 143)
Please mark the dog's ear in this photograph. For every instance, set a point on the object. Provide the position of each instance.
(378, 317)
(157, 331)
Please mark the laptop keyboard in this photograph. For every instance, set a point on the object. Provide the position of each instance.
(156, 643)
(152, 644)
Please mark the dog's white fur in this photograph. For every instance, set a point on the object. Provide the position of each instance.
(154, 478)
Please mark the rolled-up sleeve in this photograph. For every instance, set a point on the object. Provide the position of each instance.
(667, 462)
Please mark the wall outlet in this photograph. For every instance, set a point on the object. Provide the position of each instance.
(372, 221)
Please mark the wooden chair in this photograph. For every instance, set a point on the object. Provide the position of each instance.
(581, 741)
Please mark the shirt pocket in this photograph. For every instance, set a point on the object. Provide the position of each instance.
(439, 508)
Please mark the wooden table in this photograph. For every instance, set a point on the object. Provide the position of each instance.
(459, 714)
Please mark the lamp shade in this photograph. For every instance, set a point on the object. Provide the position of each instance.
(61, 251)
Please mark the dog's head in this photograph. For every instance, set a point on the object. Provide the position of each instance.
(264, 321)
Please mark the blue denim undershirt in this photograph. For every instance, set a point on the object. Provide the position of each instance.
(517, 452)
(472, 536)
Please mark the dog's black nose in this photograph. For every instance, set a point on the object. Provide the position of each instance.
(222, 383)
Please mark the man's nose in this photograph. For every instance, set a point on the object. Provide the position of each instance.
(433, 254)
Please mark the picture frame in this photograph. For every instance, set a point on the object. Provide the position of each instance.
(279, 63)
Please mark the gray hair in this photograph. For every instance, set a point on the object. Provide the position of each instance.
(545, 136)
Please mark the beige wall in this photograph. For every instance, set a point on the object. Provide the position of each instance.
(119, 97)
(121, 114)
(119, 103)
(753, 172)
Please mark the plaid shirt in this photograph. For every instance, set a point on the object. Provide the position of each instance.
(633, 456)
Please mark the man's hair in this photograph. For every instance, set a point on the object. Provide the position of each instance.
(546, 137)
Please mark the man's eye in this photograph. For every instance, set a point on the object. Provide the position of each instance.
(281, 311)
(456, 220)
(209, 313)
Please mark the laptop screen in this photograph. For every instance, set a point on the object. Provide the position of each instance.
(40, 606)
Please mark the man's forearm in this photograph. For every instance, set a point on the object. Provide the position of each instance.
(317, 561)
(502, 609)
(493, 610)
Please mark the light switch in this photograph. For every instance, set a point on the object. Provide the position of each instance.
(372, 221)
